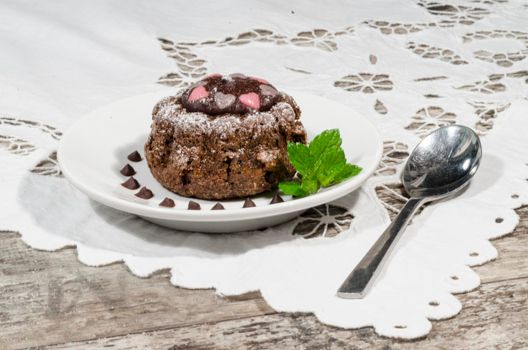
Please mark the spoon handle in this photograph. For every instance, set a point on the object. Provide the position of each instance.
(357, 283)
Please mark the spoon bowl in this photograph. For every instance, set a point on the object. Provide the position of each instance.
(441, 165)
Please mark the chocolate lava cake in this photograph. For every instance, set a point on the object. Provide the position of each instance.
(224, 137)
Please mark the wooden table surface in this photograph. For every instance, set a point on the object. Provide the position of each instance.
(50, 300)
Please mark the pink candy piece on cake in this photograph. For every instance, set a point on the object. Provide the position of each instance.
(260, 80)
(252, 100)
(198, 93)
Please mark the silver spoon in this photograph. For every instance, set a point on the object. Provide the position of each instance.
(441, 165)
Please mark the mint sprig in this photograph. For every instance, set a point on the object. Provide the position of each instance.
(322, 163)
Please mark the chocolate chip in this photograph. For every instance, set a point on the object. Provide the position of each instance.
(167, 202)
(134, 157)
(218, 206)
(268, 90)
(128, 170)
(144, 193)
(131, 184)
(248, 203)
(193, 206)
(224, 100)
(276, 199)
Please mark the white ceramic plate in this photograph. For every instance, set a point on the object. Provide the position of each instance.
(92, 152)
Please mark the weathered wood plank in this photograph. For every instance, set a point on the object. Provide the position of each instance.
(48, 298)
(513, 254)
(494, 316)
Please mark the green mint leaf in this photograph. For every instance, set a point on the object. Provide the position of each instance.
(323, 142)
(348, 171)
(292, 188)
(300, 157)
(331, 165)
(309, 185)
(321, 163)
(323, 150)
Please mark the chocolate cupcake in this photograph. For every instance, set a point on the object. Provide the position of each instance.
(224, 137)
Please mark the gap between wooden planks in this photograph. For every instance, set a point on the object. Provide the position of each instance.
(52, 299)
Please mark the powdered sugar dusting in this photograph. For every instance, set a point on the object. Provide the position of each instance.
(181, 155)
(268, 156)
(222, 125)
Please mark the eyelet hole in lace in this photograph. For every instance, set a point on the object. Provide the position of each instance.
(454, 278)
(399, 326)
(473, 254)
(515, 196)
(499, 220)
(434, 303)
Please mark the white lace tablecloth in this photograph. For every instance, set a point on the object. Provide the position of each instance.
(409, 66)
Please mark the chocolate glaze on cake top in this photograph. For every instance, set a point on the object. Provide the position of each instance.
(234, 93)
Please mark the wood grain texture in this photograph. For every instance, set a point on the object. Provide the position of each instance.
(513, 254)
(52, 299)
(495, 316)
(48, 298)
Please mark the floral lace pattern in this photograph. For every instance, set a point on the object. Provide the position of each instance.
(48, 166)
(430, 118)
(16, 146)
(494, 83)
(393, 197)
(191, 67)
(503, 59)
(380, 107)
(323, 221)
(389, 28)
(487, 112)
(394, 153)
(48, 129)
(428, 51)
(409, 68)
(454, 14)
(365, 82)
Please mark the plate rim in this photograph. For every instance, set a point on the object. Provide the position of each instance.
(140, 209)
